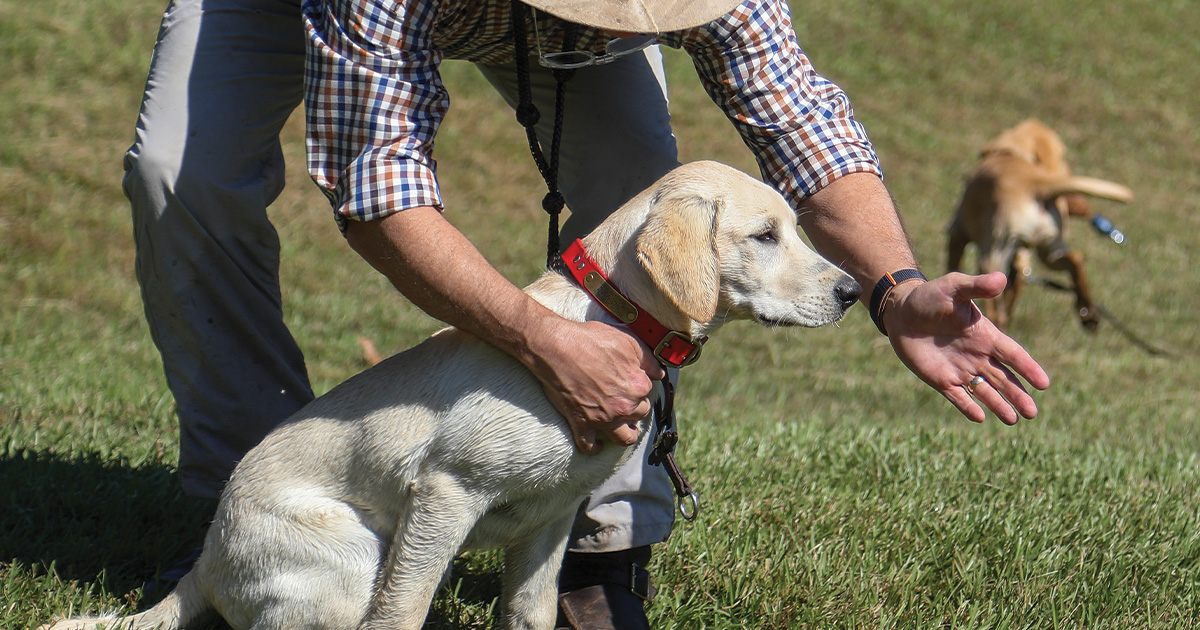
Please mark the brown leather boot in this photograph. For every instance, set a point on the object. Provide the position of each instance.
(605, 591)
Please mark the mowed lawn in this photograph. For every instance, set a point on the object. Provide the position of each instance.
(837, 490)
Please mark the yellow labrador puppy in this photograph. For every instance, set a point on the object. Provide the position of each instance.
(348, 515)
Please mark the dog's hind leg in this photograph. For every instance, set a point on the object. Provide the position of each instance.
(531, 578)
(289, 560)
(1063, 259)
(440, 515)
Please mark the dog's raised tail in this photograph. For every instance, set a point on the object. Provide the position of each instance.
(1089, 186)
(183, 608)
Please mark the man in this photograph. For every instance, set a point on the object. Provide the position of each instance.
(227, 73)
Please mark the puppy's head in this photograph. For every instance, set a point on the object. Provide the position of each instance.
(721, 245)
(1035, 142)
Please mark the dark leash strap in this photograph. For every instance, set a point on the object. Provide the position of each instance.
(1105, 226)
(528, 115)
(664, 448)
(1128, 333)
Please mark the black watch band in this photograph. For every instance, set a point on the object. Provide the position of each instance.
(885, 286)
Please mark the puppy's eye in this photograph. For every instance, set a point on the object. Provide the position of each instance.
(767, 236)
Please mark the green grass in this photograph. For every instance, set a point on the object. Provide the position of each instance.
(837, 491)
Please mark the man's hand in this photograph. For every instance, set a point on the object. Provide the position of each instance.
(599, 377)
(942, 337)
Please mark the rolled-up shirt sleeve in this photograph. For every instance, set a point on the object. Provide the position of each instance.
(799, 125)
(374, 100)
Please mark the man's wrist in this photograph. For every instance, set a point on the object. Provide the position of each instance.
(539, 341)
(883, 291)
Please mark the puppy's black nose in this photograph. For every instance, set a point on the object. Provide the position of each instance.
(847, 292)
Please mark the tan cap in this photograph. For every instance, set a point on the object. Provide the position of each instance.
(637, 16)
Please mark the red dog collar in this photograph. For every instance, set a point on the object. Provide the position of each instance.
(672, 347)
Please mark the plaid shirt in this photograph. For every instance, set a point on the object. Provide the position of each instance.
(375, 98)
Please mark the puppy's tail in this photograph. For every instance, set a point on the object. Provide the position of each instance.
(1092, 186)
(184, 607)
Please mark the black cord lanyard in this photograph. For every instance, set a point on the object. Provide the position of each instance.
(528, 116)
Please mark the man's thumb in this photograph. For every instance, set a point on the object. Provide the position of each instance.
(984, 286)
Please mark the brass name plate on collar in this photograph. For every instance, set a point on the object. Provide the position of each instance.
(607, 295)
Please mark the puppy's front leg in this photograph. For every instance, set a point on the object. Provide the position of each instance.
(437, 520)
(531, 578)
(956, 245)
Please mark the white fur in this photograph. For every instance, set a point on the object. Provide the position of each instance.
(348, 514)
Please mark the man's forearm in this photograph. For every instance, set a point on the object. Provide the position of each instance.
(440, 271)
(853, 222)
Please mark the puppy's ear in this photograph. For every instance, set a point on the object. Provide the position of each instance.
(678, 248)
(1049, 152)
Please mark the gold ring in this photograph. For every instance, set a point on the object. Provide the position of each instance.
(973, 383)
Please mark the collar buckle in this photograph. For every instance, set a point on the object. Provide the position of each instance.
(669, 351)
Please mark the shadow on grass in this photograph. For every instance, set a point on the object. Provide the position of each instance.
(97, 518)
(90, 515)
